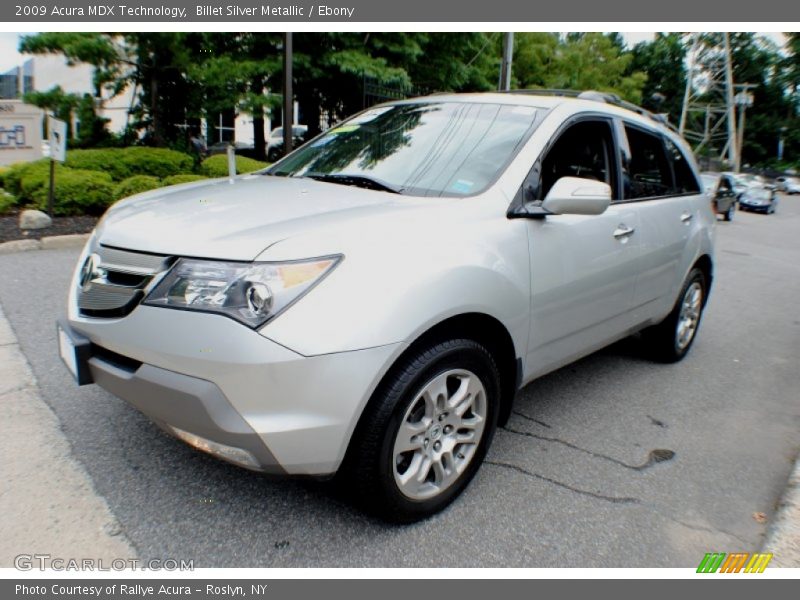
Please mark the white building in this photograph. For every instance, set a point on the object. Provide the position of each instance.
(43, 72)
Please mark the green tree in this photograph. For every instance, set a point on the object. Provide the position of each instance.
(664, 61)
(758, 61)
(231, 72)
(56, 102)
(586, 61)
(153, 63)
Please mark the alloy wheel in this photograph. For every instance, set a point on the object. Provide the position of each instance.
(439, 434)
(689, 316)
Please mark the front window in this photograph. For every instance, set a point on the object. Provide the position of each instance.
(419, 149)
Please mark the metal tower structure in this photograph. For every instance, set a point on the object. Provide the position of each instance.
(708, 117)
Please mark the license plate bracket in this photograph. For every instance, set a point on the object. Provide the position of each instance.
(75, 351)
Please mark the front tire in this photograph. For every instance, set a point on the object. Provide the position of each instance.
(426, 431)
(671, 340)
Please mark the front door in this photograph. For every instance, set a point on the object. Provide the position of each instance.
(583, 268)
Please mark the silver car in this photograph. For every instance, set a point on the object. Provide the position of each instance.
(369, 306)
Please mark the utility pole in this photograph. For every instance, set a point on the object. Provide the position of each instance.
(708, 117)
(505, 65)
(733, 148)
(288, 96)
(743, 101)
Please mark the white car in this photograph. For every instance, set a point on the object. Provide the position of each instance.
(371, 304)
(275, 140)
(788, 185)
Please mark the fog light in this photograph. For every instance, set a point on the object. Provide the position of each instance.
(232, 454)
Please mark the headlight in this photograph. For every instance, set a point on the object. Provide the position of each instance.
(252, 293)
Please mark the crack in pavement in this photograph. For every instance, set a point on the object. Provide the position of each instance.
(699, 527)
(566, 486)
(529, 418)
(655, 456)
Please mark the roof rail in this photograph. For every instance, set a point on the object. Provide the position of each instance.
(596, 96)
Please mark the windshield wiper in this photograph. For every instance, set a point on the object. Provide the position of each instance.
(355, 180)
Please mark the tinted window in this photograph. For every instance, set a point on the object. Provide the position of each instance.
(685, 182)
(584, 150)
(648, 173)
(424, 149)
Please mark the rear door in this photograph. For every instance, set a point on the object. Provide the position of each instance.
(659, 182)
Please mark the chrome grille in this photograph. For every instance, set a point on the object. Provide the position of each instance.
(115, 283)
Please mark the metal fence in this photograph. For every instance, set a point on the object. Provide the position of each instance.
(376, 91)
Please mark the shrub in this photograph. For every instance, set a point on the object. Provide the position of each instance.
(108, 160)
(135, 185)
(77, 191)
(12, 176)
(158, 162)
(122, 163)
(217, 165)
(7, 202)
(182, 178)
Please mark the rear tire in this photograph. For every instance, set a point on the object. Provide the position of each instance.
(671, 340)
(425, 432)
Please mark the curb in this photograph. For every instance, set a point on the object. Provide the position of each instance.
(783, 537)
(53, 242)
(48, 503)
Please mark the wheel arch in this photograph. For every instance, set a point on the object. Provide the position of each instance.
(479, 327)
(706, 266)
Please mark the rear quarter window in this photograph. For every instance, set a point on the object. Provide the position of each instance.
(685, 180)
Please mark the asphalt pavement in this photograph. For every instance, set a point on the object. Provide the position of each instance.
(613, 461)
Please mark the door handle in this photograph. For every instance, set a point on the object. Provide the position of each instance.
(686, 217)
(623, 231)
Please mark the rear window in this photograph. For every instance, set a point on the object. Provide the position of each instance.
(649, 174)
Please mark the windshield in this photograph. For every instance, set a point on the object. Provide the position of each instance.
(421, 149)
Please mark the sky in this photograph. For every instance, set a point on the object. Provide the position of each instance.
(9, 57)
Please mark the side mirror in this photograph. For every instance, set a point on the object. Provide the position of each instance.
(577, 196)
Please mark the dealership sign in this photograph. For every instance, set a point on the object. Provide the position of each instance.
(20, 132)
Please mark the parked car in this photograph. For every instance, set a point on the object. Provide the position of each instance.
(759, 199)
(788, 185)
(275, 141)
(370, 305)
(720, 190)
(740, 182)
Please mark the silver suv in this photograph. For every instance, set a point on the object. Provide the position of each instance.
(370, 305)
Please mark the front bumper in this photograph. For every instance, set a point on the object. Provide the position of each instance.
(248, 399)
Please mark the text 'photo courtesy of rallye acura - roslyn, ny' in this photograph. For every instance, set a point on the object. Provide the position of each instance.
(368, 306)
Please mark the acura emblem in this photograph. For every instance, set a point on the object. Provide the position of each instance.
(90, 271)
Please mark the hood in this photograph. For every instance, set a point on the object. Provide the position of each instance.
(235, 220)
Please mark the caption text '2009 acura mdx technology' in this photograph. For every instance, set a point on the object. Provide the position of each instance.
(368, 306)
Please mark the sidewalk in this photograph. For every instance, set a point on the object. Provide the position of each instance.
(783, 537)
(47, 502)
